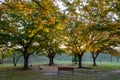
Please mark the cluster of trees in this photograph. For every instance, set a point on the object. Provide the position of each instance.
(50, 27)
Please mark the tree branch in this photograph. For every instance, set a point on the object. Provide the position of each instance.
(6, 5)
(4, 42)
(30, 41)
(38, 4)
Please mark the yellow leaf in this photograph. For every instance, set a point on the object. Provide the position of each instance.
(46, 29)
(40, 27)
(59, 26)
(31, 35)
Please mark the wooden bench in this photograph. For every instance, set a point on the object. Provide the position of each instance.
(70, 69)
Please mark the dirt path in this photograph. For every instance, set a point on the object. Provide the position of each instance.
(53, 70)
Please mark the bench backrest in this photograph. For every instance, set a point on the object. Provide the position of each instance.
(65, 68)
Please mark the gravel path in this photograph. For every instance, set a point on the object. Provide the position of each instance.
(53, 70)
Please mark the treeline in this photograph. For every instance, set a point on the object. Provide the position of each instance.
(50, 27)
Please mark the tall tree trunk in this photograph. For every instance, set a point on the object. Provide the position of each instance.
(75, 58)
(25, 51)
(2, 57)
(0, 61)
(94, 62)
(94, 56)
(51, 60)
(14, 61)
(94, 59)
(26, 62)
(80, 60)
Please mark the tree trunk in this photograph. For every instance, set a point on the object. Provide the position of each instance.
(118, 59)
(1, 60)
(94, 62)
(111, 59)
(94, 56)
(80, 60)
(14, 61)
(75, 58)
(51, 60)
(94, 59)
(26, 62)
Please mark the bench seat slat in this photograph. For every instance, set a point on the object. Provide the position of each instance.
(71, 69)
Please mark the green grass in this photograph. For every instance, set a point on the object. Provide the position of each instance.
(101, 72)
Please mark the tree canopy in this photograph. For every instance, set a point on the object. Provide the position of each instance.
(41, 26)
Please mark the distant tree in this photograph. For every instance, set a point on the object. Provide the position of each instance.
(16, 55)
(1, 55)
(3, 48)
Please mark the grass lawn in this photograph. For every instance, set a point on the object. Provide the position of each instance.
(101, 72)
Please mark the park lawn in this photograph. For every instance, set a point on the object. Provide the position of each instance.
(101, 72)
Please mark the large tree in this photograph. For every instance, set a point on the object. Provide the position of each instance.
(77, 31)
(51, 39)
(101, 17)
(78, 41)
(50, 45)
(23, 20)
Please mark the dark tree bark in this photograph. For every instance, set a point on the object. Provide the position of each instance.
(14, 61)
(26, 57)
(51, 60)
(94, 62)
(75, 58)
(2, 57)
(94, 57)
(26, 62)
(80, 60)
(1, 61)
(25, 52)
(51, 54)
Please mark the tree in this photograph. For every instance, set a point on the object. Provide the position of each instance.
(16, 55)
(2, 55)
(98, 16)
(76, 30)
(24, 20)
(3, 48)
(78, 41)
(4, 37)
(50, 41)
(102, 18)
(99, 41)
(96, 49)
(50, 45)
